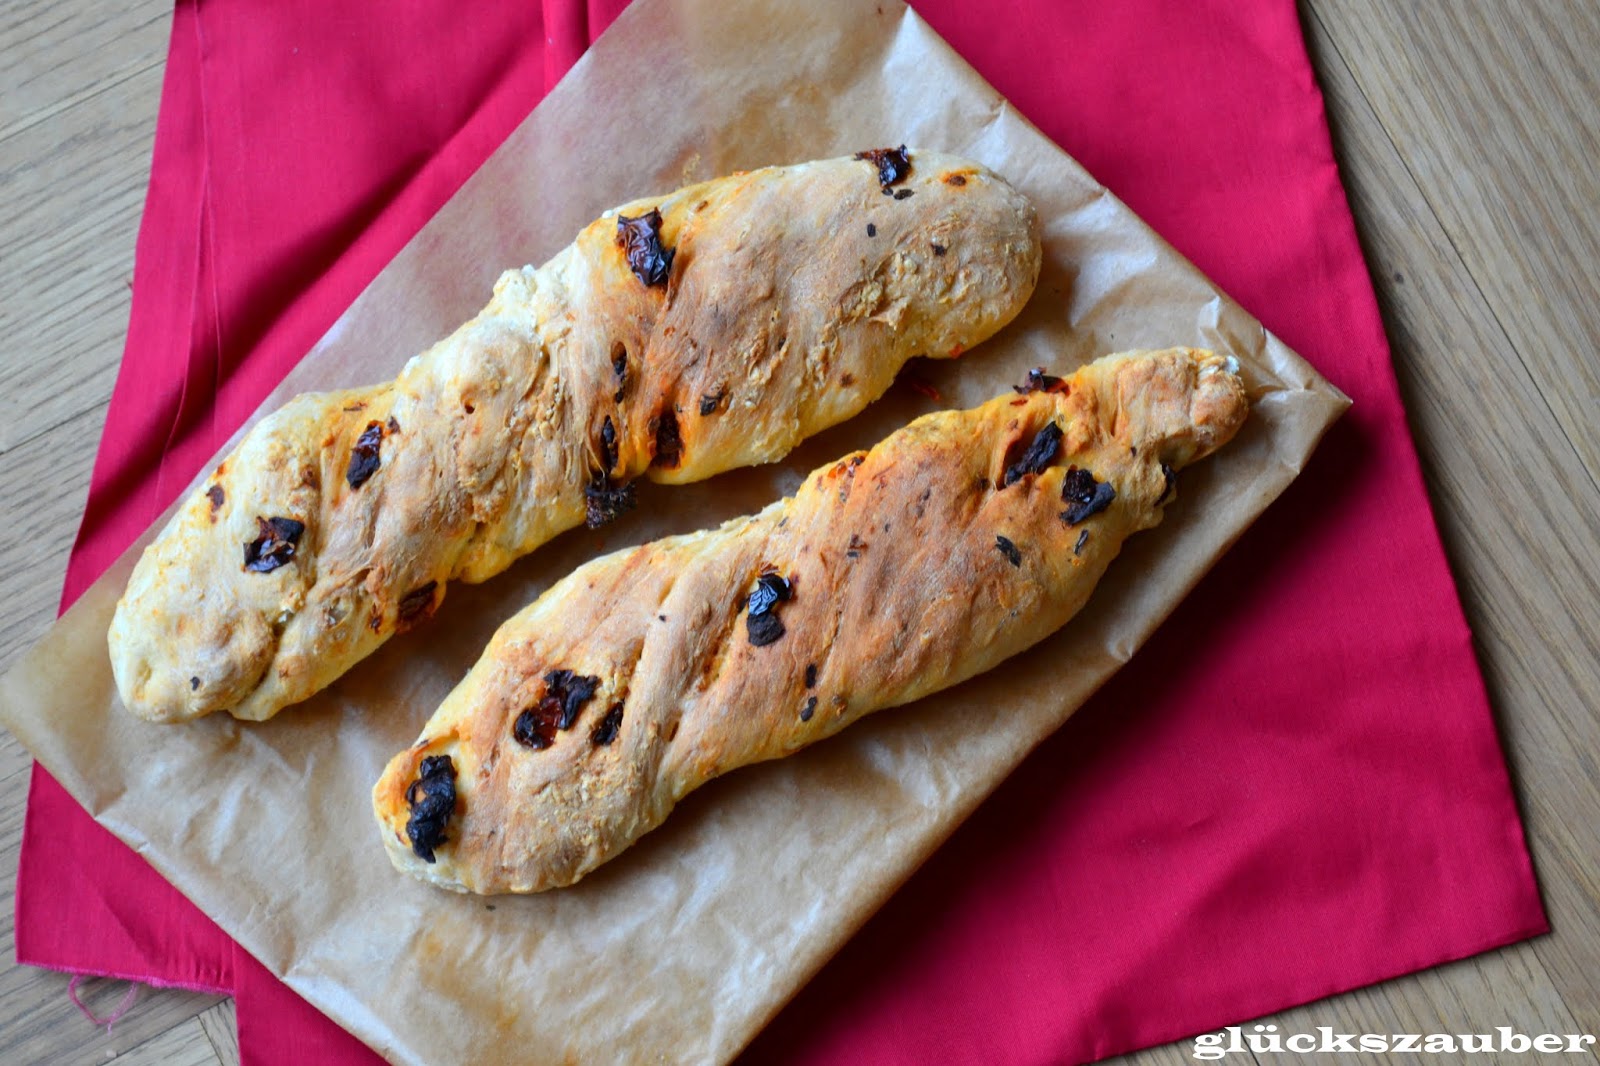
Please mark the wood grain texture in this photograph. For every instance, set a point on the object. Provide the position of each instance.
(56, 55)
(45, 483)
(67, 183)
(1466, 135)
(182, 1045)
(1493, 110)
(1518, 509)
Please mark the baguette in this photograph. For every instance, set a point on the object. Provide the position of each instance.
(955, 543)
(676, 338)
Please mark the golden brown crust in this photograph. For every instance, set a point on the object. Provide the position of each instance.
(913, 566)
(780, 316)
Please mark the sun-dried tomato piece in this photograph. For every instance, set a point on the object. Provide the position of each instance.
(573, 690)
(417, 605)
(764, 629)
(565, 693)
(605, 730)
(432, 799)
(1012, 553)
(771, 588)
(669, 443)
(1040, 453)
(608, 445)
(761, 617)
(640, 238)
(893, 164)
(275, 546)
(364, 457)
(604, 502)
(619, 367)
(1039, 381)
(535, 727)
(1084, 496)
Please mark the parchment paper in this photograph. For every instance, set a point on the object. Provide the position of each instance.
(682, 948)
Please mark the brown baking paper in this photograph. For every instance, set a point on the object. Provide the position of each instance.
(684, 946)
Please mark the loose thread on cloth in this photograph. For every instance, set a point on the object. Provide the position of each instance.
(115, 1016)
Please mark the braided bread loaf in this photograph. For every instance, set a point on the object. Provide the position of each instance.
(955, 543)
(676, 338)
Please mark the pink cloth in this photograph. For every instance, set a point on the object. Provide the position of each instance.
(1295, 789)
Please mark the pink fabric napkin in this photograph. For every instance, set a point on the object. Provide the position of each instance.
(1294, 789)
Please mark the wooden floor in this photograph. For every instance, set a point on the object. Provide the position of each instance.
(1469, 134)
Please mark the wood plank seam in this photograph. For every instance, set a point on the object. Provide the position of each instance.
(225, 1054)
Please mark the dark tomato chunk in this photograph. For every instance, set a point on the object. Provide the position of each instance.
(669, 443)
(1039, 381)
(417, 605)
(1084, 496)
(1040, 453)
(432, 799)
(274, 546)
(608, 445)
(565, 693)
(893, 164)
(364, 457)
(761, 617)
(604, 502)
(605, 731)
(640, 239)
